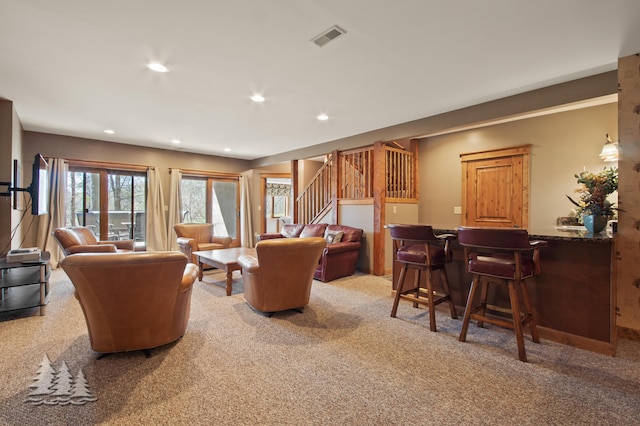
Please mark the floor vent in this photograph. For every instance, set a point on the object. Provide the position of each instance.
(328, 35)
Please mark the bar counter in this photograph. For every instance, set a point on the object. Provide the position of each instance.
(573, 297)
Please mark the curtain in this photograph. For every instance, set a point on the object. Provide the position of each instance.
(175, 206)
(57, 171)
(156, 221)
(246, 227)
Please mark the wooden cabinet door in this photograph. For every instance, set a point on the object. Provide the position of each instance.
(496, 188)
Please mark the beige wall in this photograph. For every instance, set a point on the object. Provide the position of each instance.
(360, 216)
(562, 144)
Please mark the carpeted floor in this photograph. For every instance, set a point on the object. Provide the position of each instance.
(342, 361)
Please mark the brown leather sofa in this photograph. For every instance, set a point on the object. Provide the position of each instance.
(280, 277)
(132, 301)
(198, 237)
(81, 239)
(338, 259)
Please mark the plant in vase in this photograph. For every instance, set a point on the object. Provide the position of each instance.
(592, 207)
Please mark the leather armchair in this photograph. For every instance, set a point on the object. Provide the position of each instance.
(280, 277)
(132, 301)
(198, 237)
(81, 239)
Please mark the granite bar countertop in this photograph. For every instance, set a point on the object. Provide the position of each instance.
(552, 233)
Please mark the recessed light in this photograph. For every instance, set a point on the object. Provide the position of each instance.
(227, 150)
(176, 141)
(323, 117)
(109, 131)
(157, 67)
(257, 98)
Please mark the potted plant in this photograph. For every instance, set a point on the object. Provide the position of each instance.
(592, 207)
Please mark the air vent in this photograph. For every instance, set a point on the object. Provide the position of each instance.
(328, 35)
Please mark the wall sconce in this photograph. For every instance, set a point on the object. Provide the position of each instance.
(609, 150)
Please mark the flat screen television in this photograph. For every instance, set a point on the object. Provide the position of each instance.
(39, 188)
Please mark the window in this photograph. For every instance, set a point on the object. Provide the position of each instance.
(212, 199)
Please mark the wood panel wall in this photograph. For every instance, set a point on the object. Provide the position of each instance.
(628, 239)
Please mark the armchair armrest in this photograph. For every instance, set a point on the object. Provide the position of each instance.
(447, 251)
(342, 247)
(225, 241)
(269, 236)
(121, 244)
(249, 263)
(188, 277)
(536, 245)
(187, 243)
(92, 248)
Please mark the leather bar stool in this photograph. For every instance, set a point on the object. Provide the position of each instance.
(502, 256)
(418, 248)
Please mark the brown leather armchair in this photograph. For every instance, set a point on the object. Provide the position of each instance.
(280, 278)
(81, 239)
(198, 237)
(132, 301)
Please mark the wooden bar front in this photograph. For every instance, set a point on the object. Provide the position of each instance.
(573, 298)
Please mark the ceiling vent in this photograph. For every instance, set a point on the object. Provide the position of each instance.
(328, 35)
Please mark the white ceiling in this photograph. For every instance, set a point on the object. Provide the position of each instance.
(77, 67)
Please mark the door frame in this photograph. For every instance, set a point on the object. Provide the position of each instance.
(263, 196)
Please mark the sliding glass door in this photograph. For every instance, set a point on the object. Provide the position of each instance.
(111, 202)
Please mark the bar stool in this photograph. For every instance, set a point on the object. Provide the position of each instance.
(501, 256)
(417, 248)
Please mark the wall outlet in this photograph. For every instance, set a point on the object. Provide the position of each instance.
(457, 210)
(394, 209)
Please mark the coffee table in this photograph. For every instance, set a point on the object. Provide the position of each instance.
(225, 259)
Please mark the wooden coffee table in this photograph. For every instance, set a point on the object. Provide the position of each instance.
(225, 259)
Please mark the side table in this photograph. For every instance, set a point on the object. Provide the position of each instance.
(24, 285)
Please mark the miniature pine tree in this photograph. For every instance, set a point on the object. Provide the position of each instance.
(44, 378)
(63, 384)
(81, 392)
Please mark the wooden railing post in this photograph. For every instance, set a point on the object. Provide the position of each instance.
(379, 200)
(294, 190)
(335, 179)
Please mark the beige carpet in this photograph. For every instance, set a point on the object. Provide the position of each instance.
(343, 361)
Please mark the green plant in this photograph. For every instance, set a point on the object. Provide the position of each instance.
(594, 189)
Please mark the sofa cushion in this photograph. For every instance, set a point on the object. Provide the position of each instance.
(291, 230)
(313, 230)
(333, 236)
(350, 234)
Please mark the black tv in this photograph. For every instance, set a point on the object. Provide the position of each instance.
(39, 188)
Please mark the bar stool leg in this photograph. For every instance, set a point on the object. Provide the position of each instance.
(483, 299)
(396, 299)
(468, 309)
(432, 311)
(416, 287)
(527, 304)
(517, 322)
(447, 289)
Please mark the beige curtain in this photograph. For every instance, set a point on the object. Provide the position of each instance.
(246, 226)
(156, 221)
(57, 171)
(175, 206)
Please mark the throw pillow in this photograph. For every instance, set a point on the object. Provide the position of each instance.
(333, 236)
